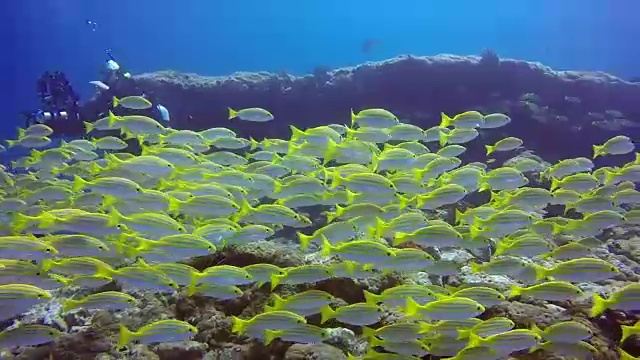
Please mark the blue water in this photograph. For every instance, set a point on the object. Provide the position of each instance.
(218, 37)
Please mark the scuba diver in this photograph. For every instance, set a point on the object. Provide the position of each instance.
(59, 104)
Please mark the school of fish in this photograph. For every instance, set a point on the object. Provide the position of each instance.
(71, 213)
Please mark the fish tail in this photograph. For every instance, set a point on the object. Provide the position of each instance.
(329, 154)
(327, 248)
(500, 248)
(336, 179)
(88, 127)
(70, 304)
(293, 148)
(445, 120)
(555, 183)
(11, 143)
(474, 340)
(535, 329)
(112, 120)
(443, 138)
(296, 133)
(47, 220)
(140, 262)
(490, 149)
(379, 229)
(515, 291)
(270, 335)
(399, 238)
(239, 325)
(277, 301)
(374, 162)
(557, 229)
(253, 144)
(541, 272)
(474, 231)
(484, 185)
(232, 113)
(371, 298)
(114, 217)
(458, 216)
(174, 204)
(21, 133)
(245, 208)
(353, 118)
(368, 332)
(404, 201)
(609, 177)
(116, 102)
(20, 222)
(275, 280)
(475, 267)
(627, 331)
(108, 201)
(412, 307)
(463, 334)
(597, 150)
(326, 314)
(126, 335)
(351, 196)
(304, 240)
(599, 305)
(78, 183)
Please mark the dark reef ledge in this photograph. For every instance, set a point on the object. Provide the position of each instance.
(546, 105)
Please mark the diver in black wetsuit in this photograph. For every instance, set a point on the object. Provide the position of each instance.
(60, 107)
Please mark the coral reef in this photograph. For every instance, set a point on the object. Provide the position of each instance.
(547, 106)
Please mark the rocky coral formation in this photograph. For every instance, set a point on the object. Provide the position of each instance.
(547, 106)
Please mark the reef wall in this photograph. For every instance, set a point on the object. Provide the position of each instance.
(547, 107)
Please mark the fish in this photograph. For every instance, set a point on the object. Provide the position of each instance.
(251, 114)
(169, 330)
(99, 85)
(132, 102)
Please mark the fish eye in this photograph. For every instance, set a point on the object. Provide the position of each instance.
(248, 276)
(38, 273)
(300, 321)
(479, 308)
(47, 250)
(100, 247)
(324, 334)
(51, 333)
(181, 229)
(192, 330)
(389, 253)
(379, 309)
(139, 190)
(40, 296)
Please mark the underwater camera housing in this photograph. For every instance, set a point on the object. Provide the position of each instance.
(59, 109)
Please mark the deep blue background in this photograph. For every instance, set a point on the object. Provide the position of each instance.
(221, 36)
